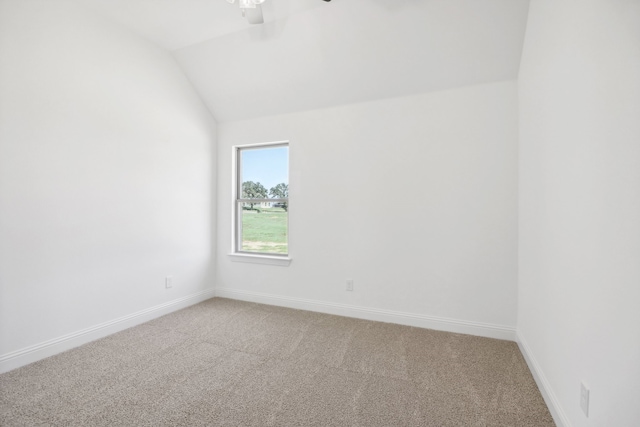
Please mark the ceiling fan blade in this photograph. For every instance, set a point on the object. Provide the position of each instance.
(254, 15)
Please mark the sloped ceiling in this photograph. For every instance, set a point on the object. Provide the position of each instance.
(311, 54)
(173, 24)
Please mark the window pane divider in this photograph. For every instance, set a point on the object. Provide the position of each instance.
(260, 200)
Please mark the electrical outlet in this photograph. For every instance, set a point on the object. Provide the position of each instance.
(584, 398)
(350, 285)
(168, 282)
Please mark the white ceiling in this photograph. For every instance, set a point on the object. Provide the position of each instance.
(173, 24)
(312, 54)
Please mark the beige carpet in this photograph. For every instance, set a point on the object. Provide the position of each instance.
(232, 363)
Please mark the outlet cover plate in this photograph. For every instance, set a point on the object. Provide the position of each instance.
(584, 398)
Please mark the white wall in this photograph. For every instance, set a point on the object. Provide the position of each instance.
(413, 198)
(579, 232)
(107, 176)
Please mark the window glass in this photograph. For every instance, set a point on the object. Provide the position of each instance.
(262, 199)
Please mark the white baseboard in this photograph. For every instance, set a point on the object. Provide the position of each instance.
(380, 315)
(22, 357)
(548, 395)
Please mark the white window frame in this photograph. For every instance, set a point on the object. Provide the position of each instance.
(236, 224)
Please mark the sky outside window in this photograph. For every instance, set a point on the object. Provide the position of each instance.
(268, 166)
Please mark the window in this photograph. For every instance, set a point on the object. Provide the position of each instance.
(261, 208)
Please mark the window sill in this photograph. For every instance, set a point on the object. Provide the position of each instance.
(261, 259)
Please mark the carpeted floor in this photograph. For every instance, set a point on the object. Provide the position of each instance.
(232, 363)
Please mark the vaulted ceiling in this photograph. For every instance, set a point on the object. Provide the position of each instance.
(312, 54)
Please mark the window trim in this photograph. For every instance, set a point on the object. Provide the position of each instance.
(236, 228)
